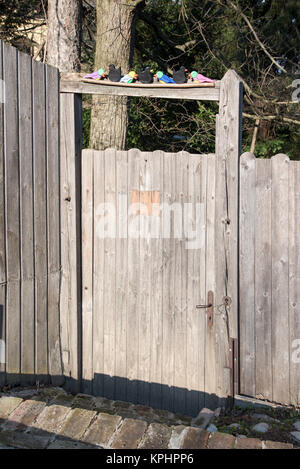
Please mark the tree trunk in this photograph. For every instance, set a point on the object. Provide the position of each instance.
(64, 31)
(114, 45)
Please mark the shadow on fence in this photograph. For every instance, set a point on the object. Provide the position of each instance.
(156, 395)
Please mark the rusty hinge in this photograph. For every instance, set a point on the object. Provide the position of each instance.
(209, 308)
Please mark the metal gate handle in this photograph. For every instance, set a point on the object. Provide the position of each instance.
(209, 308)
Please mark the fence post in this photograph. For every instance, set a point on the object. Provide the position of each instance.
(70, 183)
(228, 151)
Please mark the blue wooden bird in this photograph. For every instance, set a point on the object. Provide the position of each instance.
(162, 78)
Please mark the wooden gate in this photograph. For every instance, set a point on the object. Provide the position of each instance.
(144, 272)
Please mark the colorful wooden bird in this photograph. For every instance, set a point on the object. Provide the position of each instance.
(129, 78)
(114, 74)
(162, 78)
(99, 75)
(146, 76)
(199, 78)
(180, 75)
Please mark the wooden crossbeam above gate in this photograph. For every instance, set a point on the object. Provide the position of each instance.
(74, 83)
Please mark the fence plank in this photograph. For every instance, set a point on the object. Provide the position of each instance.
(145, 176)
(228, 150)
(12, 202)
(40, 219)
(121, 271)
(194, 338)
(98, 276)
(280, 284)
(168, 364)
(2, 234)
(294, 280)
(262, 281)
(70, 180)
(211, 399)
(156, 282)
(53, 224)
(247, 285)
(180, 305)
(27, 222)
(109, 324)
(87, 268)
(133, 279)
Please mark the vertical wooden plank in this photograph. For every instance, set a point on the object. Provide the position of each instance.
(2, 232)
(211, 399)
(133, 277)
(294, 281)
(147, 265)
(121, 272)
(87, 268)
(280, 277)
(195, 336)
(40, 219)
(109, 325)
(27, 234)
(168, 198)
(228, 149)
(12, 203)
(263, 281)
(53, 224)
(247, 270)
(70, 183)
(98, 275)
(180, 305)
(156, 282)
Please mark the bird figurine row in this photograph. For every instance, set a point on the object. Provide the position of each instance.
(147, 76)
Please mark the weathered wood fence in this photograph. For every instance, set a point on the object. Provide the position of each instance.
(29, 220)
(117, 316)
(270, 278)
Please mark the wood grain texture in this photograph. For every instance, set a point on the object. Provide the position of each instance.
(87, 198)
(294, 281)
(228, 150)
(280, 276)
(12, 222)
(40, 219)
(2, 232)
(161, 91)
(70, 182)
(263, 281)
(247, 280)
(53, 224)
(27, 221)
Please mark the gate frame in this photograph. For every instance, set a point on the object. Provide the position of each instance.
(222, 338)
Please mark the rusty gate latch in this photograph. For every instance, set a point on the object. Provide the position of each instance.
(209, 308)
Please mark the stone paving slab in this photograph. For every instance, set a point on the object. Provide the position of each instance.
(276, 445)
(8, 405)
(76, 423)
(194, 438)
(24, 415)
(51, 419)
(102, 429)
(248, 443)
(156, 437)
(221, 441)
(129, 435)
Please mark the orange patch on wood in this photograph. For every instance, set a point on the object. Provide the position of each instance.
(148, 198)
